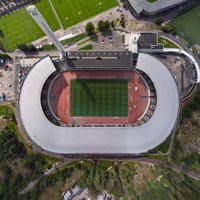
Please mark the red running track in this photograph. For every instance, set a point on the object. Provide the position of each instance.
(59, 97)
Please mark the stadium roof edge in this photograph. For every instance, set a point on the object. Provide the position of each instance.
(180, 51)
(152, 8)
(97, 140)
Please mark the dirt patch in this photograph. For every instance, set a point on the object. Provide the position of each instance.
(2, 123)
(51, 194)
(18, 167)
(189, 134)
(143, 173)
(2, 177)
(70, 182)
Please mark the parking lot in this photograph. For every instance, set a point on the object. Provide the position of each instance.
(109, 41)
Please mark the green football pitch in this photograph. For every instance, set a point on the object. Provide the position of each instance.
(19, 27)
(71, 12)
(188, 25)
(99, 97)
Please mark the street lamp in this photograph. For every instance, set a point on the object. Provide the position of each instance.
(100, 4)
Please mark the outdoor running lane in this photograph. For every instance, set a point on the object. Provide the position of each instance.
(59, 97)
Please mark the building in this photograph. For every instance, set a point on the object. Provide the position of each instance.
(139, 7)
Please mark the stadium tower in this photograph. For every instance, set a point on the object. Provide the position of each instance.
(35, 14)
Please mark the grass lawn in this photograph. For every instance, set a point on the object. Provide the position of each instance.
(187, 25)
(167, 43)
(87, 47)
(151, 1)
(17, 28)
(71, 12)
(5, 110)
(99, 97)
(74, 39)
(163, 147)
(45, 9)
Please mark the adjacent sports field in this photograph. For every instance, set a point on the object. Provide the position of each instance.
(188, 25)
(19, 27)
(99, 97)
(71, 12)
(45, 9)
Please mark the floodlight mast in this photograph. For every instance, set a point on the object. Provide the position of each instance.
(35, 14)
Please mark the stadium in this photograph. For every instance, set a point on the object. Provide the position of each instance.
(102, 102)
(139, 7)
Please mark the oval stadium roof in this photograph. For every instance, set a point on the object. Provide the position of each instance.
(100, 140)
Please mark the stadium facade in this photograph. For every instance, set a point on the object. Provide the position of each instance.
(139, 7)
(159, 118)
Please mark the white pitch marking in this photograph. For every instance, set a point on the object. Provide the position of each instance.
(136, 88)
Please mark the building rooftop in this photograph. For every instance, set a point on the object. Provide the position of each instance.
(100, 140)
(155, 7)
(99, 59)
(147, 40)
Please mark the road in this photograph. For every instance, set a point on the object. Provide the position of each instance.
(46, 172)
(37, 54)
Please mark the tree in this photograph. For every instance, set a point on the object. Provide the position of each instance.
(125, 4)
(26, 48)
(169, 29)
(90, 28)
(122, 21)
(1, 45)
(1, 33)
(23, 47)
(106, 25)
(11, 148)
(31, 48)
(113, 24)
(159, 21)
(101, 25)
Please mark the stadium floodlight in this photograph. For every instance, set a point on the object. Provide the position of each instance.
(35, 14)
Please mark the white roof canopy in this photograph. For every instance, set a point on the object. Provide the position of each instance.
(100, 140)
